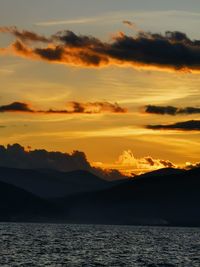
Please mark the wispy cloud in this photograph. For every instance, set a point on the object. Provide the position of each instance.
(111, 17)
(67, 22)
(6, 71)
(24, 35)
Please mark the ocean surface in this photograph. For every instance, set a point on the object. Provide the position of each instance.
(23, 244)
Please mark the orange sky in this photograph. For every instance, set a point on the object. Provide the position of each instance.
(110, 139)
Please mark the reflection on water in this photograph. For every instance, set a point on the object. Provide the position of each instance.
(93, 245)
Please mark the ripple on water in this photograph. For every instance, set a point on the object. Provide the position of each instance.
(92, 245)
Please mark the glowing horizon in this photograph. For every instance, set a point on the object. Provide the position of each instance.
(107, 80)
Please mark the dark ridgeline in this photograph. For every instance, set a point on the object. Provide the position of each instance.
(18, 205)
(51, 183)
(163, 197)
(149, 199)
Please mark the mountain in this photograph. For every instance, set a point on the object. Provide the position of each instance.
(18, 205)
(51, 183)
(171, 199)
(165, 197)
(161, 172)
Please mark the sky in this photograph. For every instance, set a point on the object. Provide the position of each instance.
(99, 77)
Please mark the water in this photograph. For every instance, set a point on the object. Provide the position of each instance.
(93, 245)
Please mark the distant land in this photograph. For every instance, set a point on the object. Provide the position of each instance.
(168, 197)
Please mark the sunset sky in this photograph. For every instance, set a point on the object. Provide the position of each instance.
(102, 77)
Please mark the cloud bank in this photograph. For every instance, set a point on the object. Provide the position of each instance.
(73, 107)
(130, 162)
(169, 51)
(190, 165)
(171, 110)
(192, 125)
(15, 156)
(127, 165)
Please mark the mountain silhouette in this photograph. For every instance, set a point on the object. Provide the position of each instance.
(158, 199)
(51, 183)
(163, 197)
(18, 205)
(161, 172)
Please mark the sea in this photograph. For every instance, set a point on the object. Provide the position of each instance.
(32, 244)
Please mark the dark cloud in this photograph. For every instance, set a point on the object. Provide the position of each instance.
(167, 163)
(170, 110)
(16, 107)
(20, 47)
(189, 110)
(192, 125)
(73, 107)
(172, 50)
(161, 162)
(70, 39)
(89, 108)
(52, 54)
(161, 110)
(150, 161)
(77, 50)
(96, 107)
(158, 50)
(129, 23)
(15, 156)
